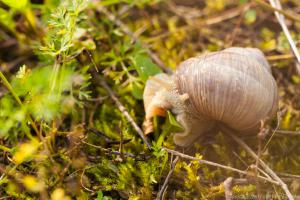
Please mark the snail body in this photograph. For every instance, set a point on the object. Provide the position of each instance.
(233, 87)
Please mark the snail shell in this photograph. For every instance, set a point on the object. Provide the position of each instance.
(233, 87)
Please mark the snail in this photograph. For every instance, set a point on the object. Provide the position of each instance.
(232, 88)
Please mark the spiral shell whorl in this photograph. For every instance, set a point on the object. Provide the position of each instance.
(233, 86)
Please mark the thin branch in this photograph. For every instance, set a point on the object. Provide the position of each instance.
(240, 181)
(164, 187)
(274, 131)
(262, 163)
(286, 132)
(81, 181)
(261, 135)
(7, 43)
(111, 151)
(107, 139)
(276, 4)
(261, 171)
(280, 57)
(289, 15)
(226, 15)
(124, 111)
(228, 188)
(121, 107)
(231, 37)
(293, 176)
(202, 161)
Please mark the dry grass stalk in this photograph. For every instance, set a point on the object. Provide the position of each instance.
(163, 189)
(276, 4)
(228, 188)
(206, 162)
(262, 163)
(124, 112)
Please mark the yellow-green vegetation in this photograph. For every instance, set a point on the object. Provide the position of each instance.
(62, 136)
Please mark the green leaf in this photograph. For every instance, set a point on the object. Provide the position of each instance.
(100, 196)
(268, 45)
(89, 44)
(243, 1)
(109, 2)
(6, 19)
(16, 4)
(250, 16)
(145, 67)
(137, 90)
(171, 126)
(173, 122)
(267, 34)
(296, 79)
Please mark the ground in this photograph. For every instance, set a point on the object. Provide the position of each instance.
(71, 111)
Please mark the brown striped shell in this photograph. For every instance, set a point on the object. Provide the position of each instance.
(233, 87)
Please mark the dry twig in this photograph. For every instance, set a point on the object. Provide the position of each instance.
(81, 181)
(226, 15)
(276, 4)
(228, 188)
(124, 111)
(280, 57)
(286, 132)
(202, 161)
(289, 15)
(262, 163)
(293, 176)
(261, 136)
(163, 189)
(121, 108)
(108, 151)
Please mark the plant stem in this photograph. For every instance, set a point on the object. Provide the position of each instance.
(9, 87)
(4, 148)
